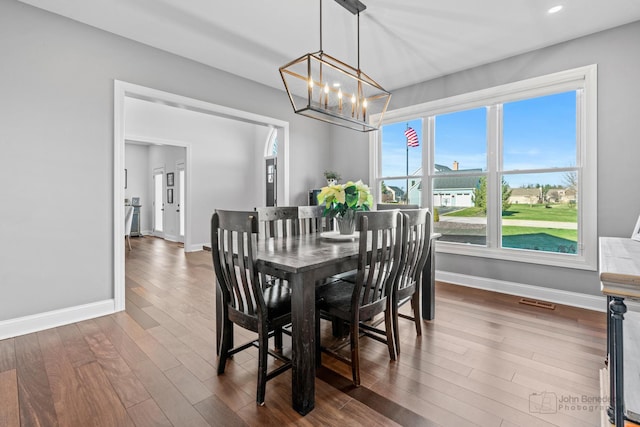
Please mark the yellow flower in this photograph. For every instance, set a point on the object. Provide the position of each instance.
(334, 197)
(364, 194)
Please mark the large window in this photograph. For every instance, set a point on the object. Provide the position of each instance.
(509, 172)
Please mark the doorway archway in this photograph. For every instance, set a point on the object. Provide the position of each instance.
(123, 90)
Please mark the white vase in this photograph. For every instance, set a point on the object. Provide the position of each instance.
(347, 222)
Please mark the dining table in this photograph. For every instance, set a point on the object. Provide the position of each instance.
(305, 260)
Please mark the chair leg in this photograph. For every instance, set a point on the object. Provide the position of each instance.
(355, 353)
(415, 301)
(391, 340)
(263, 340)
(226, 344)
(396, 327)
(129, 241)
(277, 337)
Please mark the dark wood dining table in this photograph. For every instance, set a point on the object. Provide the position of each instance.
(303, 261)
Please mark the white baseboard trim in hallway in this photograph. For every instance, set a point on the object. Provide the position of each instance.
(51, 319)
(574, 299)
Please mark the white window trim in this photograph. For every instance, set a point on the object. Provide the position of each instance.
(584, 78)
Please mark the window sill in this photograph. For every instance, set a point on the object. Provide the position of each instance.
(580, 262)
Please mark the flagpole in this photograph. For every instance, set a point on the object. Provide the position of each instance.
(407, 147)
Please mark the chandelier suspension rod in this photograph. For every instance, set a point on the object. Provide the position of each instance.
(320, 26)
(358, 40)
(324, 88)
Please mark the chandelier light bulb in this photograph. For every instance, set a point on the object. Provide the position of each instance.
(554, 9)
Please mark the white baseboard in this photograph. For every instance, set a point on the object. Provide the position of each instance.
(575, 299)
(51, 319)
(196, 247)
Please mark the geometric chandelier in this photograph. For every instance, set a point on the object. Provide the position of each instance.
(324, 88)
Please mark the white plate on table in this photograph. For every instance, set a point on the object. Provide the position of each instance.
(335, 235)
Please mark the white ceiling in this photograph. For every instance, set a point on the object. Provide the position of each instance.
(401, 41)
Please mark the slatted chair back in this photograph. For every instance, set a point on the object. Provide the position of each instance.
(312, 221)
(278, 221)
(416, 233)
(233, 244)
(378, 260)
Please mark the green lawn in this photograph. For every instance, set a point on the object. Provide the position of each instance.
(466, 212)
(557, 212)
(562, 212)
(570, 235)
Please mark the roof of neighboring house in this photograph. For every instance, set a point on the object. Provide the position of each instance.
(399, 192)
(442, 168)
(456, 182)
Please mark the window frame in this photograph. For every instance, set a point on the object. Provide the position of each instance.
(583, 79)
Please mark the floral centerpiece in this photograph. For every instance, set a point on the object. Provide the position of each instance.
(341, 201)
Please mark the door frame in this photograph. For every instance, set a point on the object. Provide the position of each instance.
(181, 187)
(123, 90)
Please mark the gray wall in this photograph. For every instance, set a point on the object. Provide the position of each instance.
(56, 137)
(226, 159)
(618, 57)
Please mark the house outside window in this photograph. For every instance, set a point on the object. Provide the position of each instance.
(510, 171)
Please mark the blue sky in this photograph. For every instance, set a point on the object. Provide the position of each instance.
(537, 133)
(394, 148)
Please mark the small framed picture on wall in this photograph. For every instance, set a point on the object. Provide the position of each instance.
(636, 231)
(170, 196)
(170, 179)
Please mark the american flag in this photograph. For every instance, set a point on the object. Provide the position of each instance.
(412, 137)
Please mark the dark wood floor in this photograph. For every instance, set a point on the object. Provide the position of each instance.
(486, 360)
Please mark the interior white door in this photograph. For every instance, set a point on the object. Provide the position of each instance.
(158, 203)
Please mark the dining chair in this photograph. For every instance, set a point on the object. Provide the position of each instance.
(278, 221)
(356, 303)
(312, 220)
(245, 302)
(416, 233)
(128, 221)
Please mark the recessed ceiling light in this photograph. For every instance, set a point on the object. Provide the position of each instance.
(555, 9)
